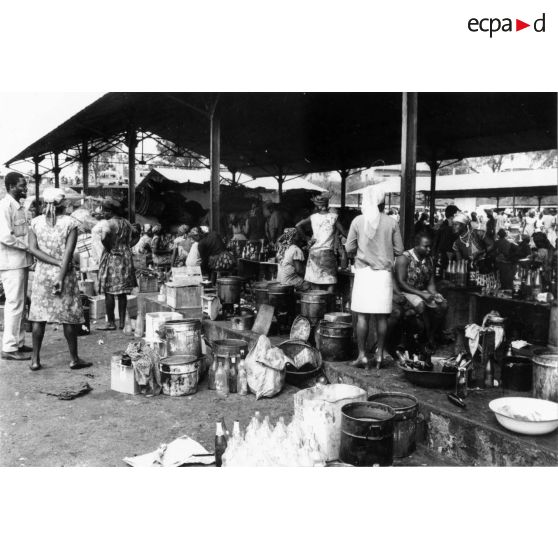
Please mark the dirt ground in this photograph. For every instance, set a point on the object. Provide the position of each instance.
(103, 427)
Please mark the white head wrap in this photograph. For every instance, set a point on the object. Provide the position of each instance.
(462, 218)
(371, 199)
(52, 198)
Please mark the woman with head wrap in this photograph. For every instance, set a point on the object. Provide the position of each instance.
(291, 260)
(117, 276)
(321, 269)
(181, 246)
(160, 249)
(375, 240)
(55, 296)
(193, 257)
(476, 246)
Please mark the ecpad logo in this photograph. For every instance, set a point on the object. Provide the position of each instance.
(494, 24)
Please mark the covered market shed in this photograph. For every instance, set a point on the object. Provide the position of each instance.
(281, 134)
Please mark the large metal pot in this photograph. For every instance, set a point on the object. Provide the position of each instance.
(228, 289)
(314, 304)
(180, 374)
(545, 375)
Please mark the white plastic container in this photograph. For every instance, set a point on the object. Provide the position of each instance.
(122, 378)
(319, 411)
(154, 320)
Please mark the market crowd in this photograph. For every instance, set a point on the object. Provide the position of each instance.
(391, 285)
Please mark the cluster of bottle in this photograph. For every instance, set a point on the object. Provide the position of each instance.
(263, 444)
(463, 273)
(258, 251)
(417, 362)
(527, 283)
(228, 375)
(467, 376)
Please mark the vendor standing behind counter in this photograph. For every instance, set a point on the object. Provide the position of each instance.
(321, 269)
(476, 246)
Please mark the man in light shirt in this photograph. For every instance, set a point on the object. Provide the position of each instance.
(15, 260)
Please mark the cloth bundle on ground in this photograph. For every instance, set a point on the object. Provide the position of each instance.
(265, 367)
(67, 394)
(145, 362)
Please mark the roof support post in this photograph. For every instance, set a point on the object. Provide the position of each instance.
(132, 142)
(37, 178)
(215, 164)
(56, 171)
(408, 166)
(85, 167)
(343, 173)
(434, 166)
(280, 181)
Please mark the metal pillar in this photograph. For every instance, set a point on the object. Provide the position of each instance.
(56, 171)
(434, 166)
(280, 181)
(85, 167)
(132, 144)
(344, 174)
(389, 200)
(215, 162)
(37, 178)
(408, 166)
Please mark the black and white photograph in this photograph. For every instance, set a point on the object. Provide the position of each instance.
(243, 244)
(263, 279)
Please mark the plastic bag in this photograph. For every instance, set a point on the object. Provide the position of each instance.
(265, 367)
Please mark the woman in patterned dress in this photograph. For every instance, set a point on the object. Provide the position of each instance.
(55, 296)
(321, 269)
(117, 276)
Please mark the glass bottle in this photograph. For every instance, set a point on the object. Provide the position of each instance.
(536, 287)
(461, 382)
(516, 290)
(242, 379)
(233, 376)
(220, 444)
(221, 380)
(438, 270)
(489, 373)
(212, 373)
(471, 278)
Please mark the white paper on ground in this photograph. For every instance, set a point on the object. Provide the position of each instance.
(179, 452)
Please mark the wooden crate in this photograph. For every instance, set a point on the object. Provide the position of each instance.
(183, 297)
(98, 310)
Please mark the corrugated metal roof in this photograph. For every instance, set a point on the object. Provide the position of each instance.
(264, 134)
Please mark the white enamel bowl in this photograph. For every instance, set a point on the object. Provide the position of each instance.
(526, 415)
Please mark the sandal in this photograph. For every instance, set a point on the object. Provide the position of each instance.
(110, 327)
(79, 364)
